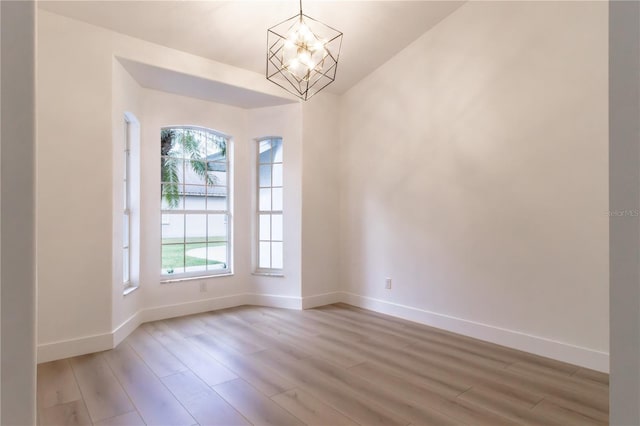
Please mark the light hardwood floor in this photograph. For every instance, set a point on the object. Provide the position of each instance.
(329, 366)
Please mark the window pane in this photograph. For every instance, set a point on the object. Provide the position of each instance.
(171, 169)
(277, 151)
(195, 172)
(277, 199)
(216, 147)
(217, 227)
(125, 265)
(195, 257)
(218, 202)
(172, 197)
(125, 230)
(193, 143)
(196, 199)
(217, 168)
(265, 175)
(172, 228)
(265, 255)
(265, 227)
(196, 228)
(169, 143)
(265, 199)
(217, 255)
(173, 259)
(276, 255)
(276, 227)
(277, 175)
(264, 148)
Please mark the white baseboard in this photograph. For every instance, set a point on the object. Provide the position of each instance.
(194, 307)
(577, 355)
(274, 301)
(126, 328)
(74, 347)
(309, 302)
(584, 357)
(89, 344)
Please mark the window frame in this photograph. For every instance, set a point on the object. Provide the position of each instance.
(206, 273)
(271, 212)
(126, 197)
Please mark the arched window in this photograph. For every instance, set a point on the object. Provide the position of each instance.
(196, 218)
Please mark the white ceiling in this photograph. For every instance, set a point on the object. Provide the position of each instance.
(234, 32)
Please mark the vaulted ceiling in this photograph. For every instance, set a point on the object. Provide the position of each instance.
(234, 32)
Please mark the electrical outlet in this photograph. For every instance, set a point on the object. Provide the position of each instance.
(387, 284)
(203, 287)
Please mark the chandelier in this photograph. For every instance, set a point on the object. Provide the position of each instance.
(302, 55)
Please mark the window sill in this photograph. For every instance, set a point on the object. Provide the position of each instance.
(268, 274)
(199, 277)
(129, 289)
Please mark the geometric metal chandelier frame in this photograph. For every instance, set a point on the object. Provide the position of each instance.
(302, 55)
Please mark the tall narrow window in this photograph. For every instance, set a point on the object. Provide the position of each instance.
(196, 216)
(126, 219)
(270, 257)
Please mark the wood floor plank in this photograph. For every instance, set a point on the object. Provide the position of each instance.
(129, 419)
(265, 340)
(420, 406)
(564, 379)
(160, 360)
(56, 384)
(205, 405)
(261, 377)
(511, 408)
(154, 402)
(249, 314)
(332, 365)
(565, 415)
(594, 376)
(363, 328)
(237, 342)
(420, 331)
(341, 398)
(256, 407)
(189, 325)
(407, 366)
(490, 376)
(334, 353)
(310, 410)
(72, 413)
(103, 395)
(323, 327)
(458, 355)
(370, 369)
(202, 364)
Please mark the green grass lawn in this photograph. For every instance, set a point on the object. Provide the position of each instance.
(173, 256)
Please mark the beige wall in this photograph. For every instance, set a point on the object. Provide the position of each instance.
(474, 174)
(320, 204)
